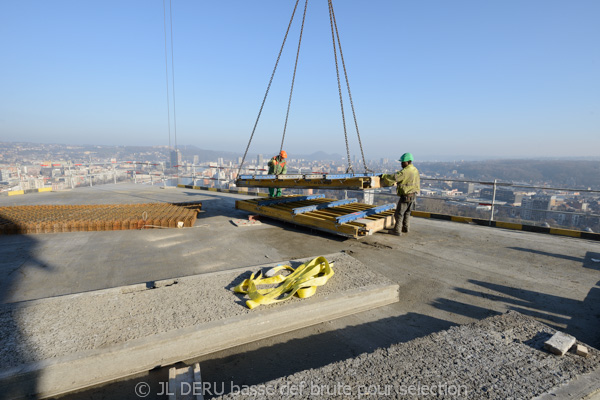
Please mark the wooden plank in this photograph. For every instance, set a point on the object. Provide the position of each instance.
(324, 218)
(356, 183)
(302, 219)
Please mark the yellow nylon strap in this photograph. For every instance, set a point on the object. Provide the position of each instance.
(303, 282)
(256, 278)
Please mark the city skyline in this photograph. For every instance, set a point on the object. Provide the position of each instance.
(458, 80)
(551, 193)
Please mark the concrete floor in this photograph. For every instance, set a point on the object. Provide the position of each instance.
(449, 273)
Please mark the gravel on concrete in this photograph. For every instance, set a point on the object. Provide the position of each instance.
(500, 357)
(44, 329)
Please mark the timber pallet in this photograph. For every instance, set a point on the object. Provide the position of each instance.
(312, 181)
(342, 217)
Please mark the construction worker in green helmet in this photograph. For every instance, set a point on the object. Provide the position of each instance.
(277, 166)
(409, 185)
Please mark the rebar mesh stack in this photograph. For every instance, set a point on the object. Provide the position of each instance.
(111, 217)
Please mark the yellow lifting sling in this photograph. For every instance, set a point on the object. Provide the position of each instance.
(303, 282)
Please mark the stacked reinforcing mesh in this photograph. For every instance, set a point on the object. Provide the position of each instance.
(111, 217)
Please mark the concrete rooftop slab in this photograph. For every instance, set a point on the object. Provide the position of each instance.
(62, 343)
(500, 357)
(448, 273)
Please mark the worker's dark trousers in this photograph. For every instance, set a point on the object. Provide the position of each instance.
(402, 213)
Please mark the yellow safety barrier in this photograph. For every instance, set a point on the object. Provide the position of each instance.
(302, 282)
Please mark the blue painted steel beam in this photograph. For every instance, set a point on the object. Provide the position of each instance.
(348, 176)
(281, 200)
(302, 210)
(250, 177)
(338, 176)
(360, 214)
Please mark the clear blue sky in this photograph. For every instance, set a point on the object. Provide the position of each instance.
(512, 78)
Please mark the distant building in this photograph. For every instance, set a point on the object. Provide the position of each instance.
(196, 160)
(259, 160)
(505, 195)
(46, 171)
(175, 158)
(465, 187)
(536, 207)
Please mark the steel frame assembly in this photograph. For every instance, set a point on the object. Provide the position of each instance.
(312, 181)
(342, 217)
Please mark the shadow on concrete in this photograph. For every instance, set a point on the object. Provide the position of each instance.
(241, 300)
(537, 342)
(266, 363)
(589, 262)
(581, 318)
(130, 388)
(545, 253)
(240, 366)
(468, 310)
(17, 260)
(291, 227)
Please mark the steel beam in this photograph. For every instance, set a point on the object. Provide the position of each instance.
(347, 176)
(281, 200)
(302, 210)
(245, 177)
(360, 214)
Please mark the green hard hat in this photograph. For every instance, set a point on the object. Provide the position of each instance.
(406, 157)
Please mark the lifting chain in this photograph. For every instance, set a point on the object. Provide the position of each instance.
(348, 86)
(334, 35)
(337, 71)
(294, 76)
(268, 87)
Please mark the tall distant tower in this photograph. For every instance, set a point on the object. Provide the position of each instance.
(175, 158)
(259, 160)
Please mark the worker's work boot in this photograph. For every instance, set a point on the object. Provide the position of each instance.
(395, 231)
(405, 225)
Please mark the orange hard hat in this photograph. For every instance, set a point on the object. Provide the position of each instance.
(283, 154)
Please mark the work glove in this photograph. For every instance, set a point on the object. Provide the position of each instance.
(385, 181)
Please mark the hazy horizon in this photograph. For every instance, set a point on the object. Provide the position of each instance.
(459, 79)
(419, 157)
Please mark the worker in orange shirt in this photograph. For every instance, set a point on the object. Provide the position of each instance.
(277, 166)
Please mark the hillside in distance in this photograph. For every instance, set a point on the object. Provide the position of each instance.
(558, 173)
